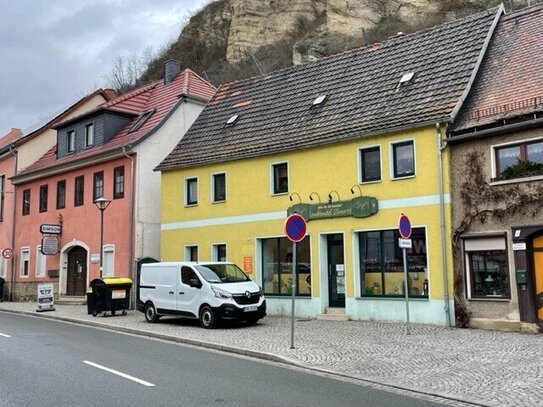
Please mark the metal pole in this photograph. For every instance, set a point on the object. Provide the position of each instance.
(101, 240)
(406, 292)
(293, 294)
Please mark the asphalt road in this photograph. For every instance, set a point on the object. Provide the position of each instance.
(51, 363)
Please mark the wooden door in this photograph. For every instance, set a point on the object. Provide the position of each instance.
(538, 274)
(76, 283)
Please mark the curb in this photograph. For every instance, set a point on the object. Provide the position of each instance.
(383, 385)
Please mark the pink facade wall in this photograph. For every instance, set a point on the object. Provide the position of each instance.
(80, 224)
(7, 167)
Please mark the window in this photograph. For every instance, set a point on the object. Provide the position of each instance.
(2, 193)
(44, 189)
(143, 117)
(71, 140)
(370, 163)
(89, 135)
(26, 201)
(188, 274)
(25, 259)
(79, 190)
(403, 159)
(61, 194)
(487, 271)
(219, 187)
(109, 261)
(191, 191)
(520, 160)
(218, 252)
(191, 253)
(40, 263)
(98, 185)
(381, 264)
(3, 268)
(118, 182)
(280, 178)
(277, 266)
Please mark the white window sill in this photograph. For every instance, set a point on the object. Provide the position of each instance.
(517, 180)
(280, 194)
(486, 299)
(402, 178)
(370, 182)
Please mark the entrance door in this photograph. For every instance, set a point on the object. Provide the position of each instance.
(538, 273)
(336, 271)
(77, 272)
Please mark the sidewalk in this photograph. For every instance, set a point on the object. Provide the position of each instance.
(481, 367)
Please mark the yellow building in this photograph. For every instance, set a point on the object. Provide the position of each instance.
(350, 142)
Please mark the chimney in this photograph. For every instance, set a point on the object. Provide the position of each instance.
(171, 68)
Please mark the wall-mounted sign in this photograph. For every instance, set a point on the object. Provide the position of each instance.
(51, 229)
(248, 264)
(49, 245)
(519, 246)
(360, 207)
(95, 258)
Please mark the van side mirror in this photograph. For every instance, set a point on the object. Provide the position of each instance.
(194, 282)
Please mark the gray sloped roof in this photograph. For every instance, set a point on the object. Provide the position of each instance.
(276, 114)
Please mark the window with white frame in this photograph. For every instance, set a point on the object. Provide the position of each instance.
(280, 178)
(109, 261)
(191, 191)
(218, 252)
(71, 140)
(191, 253)
(89, 135)
(218, 186)
(486, 267)
(40, 262)
(518, 160)
(25, 261)
(370, 164)
(403, 159)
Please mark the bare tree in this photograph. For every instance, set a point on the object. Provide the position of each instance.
(126, 71)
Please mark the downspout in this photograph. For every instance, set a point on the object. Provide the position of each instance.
(441, 146)
(131, 261)
(13, 151)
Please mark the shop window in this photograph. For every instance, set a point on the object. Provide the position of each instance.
(26, 202)
(381, 264)
(61, 194)
(191, 253)
(403, 159)
(98, 185)
(487, 271)
(370, 163)
(519, 160)
(280, 178)
(109, 261)
(277, 266)
(191, 191)
(25, 261)
(40, 263)
(218, 252)
(219, 187)
(44, 191)
(79, 190)
(118, 182)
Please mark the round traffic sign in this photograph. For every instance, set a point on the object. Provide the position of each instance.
(7, 253)
(404, 226)
(295, 227)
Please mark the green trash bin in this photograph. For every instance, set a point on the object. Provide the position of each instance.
(110, 294)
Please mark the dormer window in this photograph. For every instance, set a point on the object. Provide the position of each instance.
(71, 140)
(89, 135)
(143, 117)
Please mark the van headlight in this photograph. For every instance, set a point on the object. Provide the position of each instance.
(221, 294)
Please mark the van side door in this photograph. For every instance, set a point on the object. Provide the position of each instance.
(189, 292)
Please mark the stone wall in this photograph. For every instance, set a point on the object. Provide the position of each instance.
(27, 291)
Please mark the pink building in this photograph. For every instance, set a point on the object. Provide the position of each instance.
(109, 152)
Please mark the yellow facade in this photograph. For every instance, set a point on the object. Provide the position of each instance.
(251, 212)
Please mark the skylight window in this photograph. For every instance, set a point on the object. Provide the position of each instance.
(143, 117)
(406, 79)
(319, 100)
(232, 120)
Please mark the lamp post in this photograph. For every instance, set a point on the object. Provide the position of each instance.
(102, 204)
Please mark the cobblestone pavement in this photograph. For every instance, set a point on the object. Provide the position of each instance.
(474, 366)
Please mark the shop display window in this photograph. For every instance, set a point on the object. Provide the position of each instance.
(381, 264)
(277, 266)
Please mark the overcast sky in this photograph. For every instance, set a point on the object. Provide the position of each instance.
(52, 52)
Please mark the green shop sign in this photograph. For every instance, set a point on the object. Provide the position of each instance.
(360, 207)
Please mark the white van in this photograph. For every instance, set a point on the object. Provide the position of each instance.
(208, 291)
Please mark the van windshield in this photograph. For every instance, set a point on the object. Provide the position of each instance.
(222, 273)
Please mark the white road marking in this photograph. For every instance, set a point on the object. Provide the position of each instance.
(5, 336)
(107, 369)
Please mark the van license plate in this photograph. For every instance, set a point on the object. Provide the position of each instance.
(249, 309)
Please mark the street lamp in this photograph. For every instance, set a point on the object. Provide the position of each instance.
(102, 204)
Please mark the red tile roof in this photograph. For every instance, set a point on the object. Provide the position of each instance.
(10, 137)
(510, 81)
(156, 95)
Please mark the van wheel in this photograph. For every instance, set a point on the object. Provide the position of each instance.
(207, 317)
(150, 313)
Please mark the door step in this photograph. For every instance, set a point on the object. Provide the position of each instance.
(72, 300)
(333, 314)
